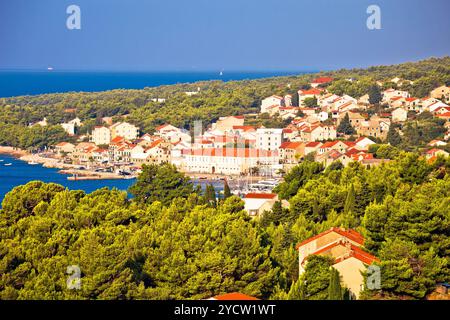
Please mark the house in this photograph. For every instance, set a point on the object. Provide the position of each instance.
(355, 118)
(444, 116)
(435, 106)
(70, 126)
(437, 143)
(321, 81)
(337, 145)
(363, 143)
(364, 100)
(331, 156)
(442, 93)
(257, 203)
(323, 116)
(344, 247)
(172, 134)
(374, 127)
(271, 101)
(83, 151)
(269, 139)
(399, 115)
(435, 153)
(288, 112)
(64, 148)
(311, 93)
(290, 152)
(227, 123)
(100, 155)
(124, 129)
(312, 147)
(288, 100)
(390, 93)
(441, 110)
(101, 135)
(413, 104)
(318, 132)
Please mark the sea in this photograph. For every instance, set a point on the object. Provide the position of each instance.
(17, 83)
(20, 172)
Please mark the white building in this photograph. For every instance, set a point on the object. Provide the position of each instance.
(390, 93)
(228, 161)
(399, 115)
(125, 130)
(271, 101)
(269, 139)
(101, 135)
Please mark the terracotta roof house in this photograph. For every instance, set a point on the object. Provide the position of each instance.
(233, 296)
(320, 81)
(344, 246)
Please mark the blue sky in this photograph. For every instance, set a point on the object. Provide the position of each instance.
(199, 35)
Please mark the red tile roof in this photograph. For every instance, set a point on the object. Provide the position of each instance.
(350, 234)
(244, 128)
(313, 144)
(231, 152)
(117, 139)
(260, 195)
(234, 296)
(322, 80)
(313, 91)
(444, 115)
(290, 145)
(161, 127)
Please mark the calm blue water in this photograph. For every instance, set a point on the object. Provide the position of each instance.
(20, 172)
(16, 83)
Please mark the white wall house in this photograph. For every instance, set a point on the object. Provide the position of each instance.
(270, 101)
(269, 139)
(101, 135)
(124, 129)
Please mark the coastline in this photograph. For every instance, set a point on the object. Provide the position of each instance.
(12, 151)
(75, 174)
(65, 169)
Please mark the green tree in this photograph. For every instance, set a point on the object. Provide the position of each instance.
(316, 278)
(226, 190)
(335, 291)
(393, 137)
(210, 195)
(161, 183)
(345, 126)
(375, 95)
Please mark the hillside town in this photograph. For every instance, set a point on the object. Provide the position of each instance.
(324, 127)
(320, 129)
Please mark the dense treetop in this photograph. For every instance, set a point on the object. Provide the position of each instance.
(178, 244)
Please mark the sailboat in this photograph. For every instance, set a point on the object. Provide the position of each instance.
(221, 73)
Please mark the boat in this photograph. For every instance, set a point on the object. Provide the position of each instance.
(32, 163)
(1, 160)
(8, 164)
